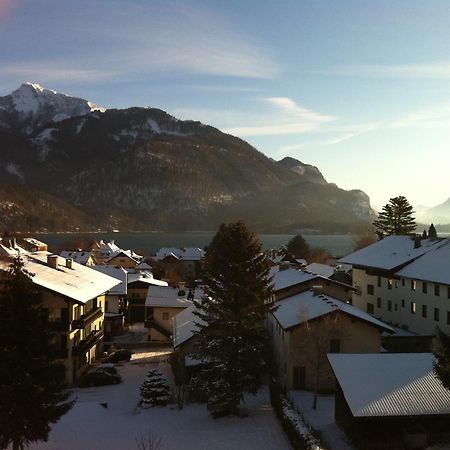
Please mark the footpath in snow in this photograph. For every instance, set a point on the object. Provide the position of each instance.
(90, 426)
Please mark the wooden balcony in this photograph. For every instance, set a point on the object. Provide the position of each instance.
(86, 319)
(86, 344)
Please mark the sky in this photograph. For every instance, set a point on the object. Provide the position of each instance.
(358, 88)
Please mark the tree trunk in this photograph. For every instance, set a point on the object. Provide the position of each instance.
(16, 444)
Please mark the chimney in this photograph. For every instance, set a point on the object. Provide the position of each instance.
(417, 241)
(52, 261)
(284, 266)
(69, 262)
(317, 289)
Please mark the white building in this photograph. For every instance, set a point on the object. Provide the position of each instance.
(404, 282)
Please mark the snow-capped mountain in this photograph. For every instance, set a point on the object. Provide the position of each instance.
(31, 106)
(439, 214)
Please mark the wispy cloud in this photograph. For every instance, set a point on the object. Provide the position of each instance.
(432, 118)
(424, 70)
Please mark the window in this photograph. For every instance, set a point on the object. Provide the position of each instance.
(424, 287)
(403, 302)
(396, 306)
(413, 285)
(413, 307)
(389, 305)
(165, 316)
(54, 314)
(436, 314)
(379, 281)
(378, 302)
(389, 284)
(448, 292)
(424, 310)
(370, 289)
(436, 290)
(448, 317)
(335, 346)
(403, 281)
(370, 308)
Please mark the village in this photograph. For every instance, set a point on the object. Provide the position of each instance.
(351, 343)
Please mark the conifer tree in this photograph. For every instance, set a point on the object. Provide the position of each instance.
(31, 381)
(441, 351)
(298, 247)
(395, 218)
(155, 389)
(231, 337)
(432, 233)
(424, 234)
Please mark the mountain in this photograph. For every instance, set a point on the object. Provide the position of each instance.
(143, 169)
(439, 214)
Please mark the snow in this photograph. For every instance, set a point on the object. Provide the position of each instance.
(170, 297)
(401, 384)
(309, 305)
(145, 277)
(288, 277)
(323, 270)
(117, 272)
(13, 169)
(321, 419)
(88, 425)
(185, 254)
(154, 126)
(185, 325)
(46, 134)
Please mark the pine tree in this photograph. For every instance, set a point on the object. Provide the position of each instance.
(424, 234)
(298, 247)
(441, 351)
(395, 218)
(155, 390)
(232, 338)
(31, 381)
(432, 233)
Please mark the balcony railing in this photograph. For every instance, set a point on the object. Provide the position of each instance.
(86, 319)
(86, 344)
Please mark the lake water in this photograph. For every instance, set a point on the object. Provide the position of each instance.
(150, 243)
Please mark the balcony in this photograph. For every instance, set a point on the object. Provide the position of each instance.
(86, 344)
(85, 319)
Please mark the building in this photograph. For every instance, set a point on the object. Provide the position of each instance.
(189, 257)
(81, 257)
(390, 397)
(405, 282)
(110, 253)
(74, 296)
(307, 326)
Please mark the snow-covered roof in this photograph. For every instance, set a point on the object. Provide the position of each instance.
(143, 266)
(184, 325)
(170, 297)
(282, 279)
(79, 257)
(390, 384)
(323, 270)
(391, 252)
(145, 277)
(309, 305)
(79, 283)
(434, 266)
(183, 254)
(128, 253)
(116, 272)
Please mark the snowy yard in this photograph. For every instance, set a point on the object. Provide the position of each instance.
(90, 426)
(322, 419)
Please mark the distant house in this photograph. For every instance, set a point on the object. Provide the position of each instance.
(82, 257)
(323, 270)
(189, 257)
(404, 281)
(390, 397)
(109, 253)
(307, 326)
(124, 258)
(161, 305)
(74, 297)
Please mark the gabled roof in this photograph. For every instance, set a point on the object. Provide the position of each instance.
(391, 253)
(117, 272)
(300, 308)
(323, 270)
(145, 277)
(282, 279)
(160, 296)
(184, 326)
(390, 384)
(128, 254)
(183, 254)
(79, 283)
(79, 257)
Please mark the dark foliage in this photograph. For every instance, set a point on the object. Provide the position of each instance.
(441, 351)
(155, 390)
(395, 218)
(432, 233)
(31, 381)
(298, 247)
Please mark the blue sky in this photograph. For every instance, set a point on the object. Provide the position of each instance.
(358, 88)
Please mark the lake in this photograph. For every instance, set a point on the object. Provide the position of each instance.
(150, 243)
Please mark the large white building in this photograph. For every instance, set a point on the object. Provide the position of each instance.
(405, 282)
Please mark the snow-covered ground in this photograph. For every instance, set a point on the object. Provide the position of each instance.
(90, 426)
(322, 419)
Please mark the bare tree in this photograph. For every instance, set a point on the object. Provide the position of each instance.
(149, 441)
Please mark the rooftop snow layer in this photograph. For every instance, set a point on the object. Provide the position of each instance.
(117, 272)
(323, 270)
(145, 277)
(184, 326)
(289, 277)
(390, 384)
(170, 297)
(186, 254)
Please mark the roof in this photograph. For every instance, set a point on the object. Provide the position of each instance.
(79, 257)
(145, 277)
(184, 326)
(288, 277)
(391, 252)
(323, 270)
(116, 272)
(183, 254)
(143, 266)
(434, 266)
(170, 297)
(79, 283)
(128, 253)
(299, 308)
(390, 384)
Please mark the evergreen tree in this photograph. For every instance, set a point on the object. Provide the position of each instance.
(31, 381)
(231, 337)
(155, 390)
(395, 218)
(432, 233)
(298, 247)
(424, 234)
(441, 351)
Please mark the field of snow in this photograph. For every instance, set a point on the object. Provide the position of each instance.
(90, 426)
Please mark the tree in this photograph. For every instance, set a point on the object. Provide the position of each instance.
(395, 218)
(155, 390)
(441, 351)
(432, 233)
(232, 338)
(31, 380)
(298, 247)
